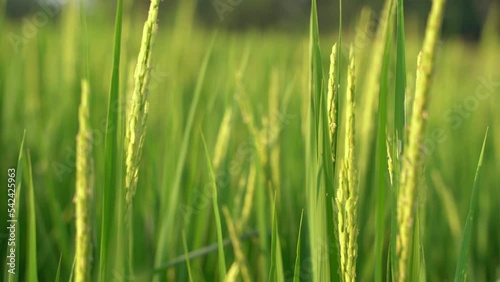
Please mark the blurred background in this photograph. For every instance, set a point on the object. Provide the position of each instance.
(464, 18)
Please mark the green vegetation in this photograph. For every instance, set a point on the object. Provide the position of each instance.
(169, 152)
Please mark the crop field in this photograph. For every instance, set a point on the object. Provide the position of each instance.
(147, 146)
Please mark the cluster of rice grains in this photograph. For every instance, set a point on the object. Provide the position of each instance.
(412, 159)
(84, 188)
(346, 195)
(347, 192)
(136, 125)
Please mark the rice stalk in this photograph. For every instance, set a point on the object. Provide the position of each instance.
(84, 188)
(136, 126)
(347, 193)
(69, 47)
(273, 130)
(248, 201)
(276, 272)
(135, 130)
(235, 241)
(232, 273)
(413, 159)
(222, 139)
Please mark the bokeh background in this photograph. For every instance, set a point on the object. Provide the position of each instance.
(463, 18)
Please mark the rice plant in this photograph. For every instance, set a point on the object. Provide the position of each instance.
(210, 141)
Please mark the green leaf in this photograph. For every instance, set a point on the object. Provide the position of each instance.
(319, 177)
(276, 269)
(58, 273)
(31, 271)
(186, 254)
(296, 272)
(381, 152)
(461, 272)
(111, 166)
(220, 238)
(399, 106)
(71, 274)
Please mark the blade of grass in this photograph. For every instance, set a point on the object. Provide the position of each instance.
(399, 106)
(276, 269)
(220, 240)
(461, 271)
(320, 213)
(392, 254)
(71, 274)
(31, 271)
(186, 252)
(381, 153)
(370, 97)
(111, 166)
(58, 273)
(296, 271)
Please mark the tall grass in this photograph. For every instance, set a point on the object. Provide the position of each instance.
(112, 165)
(306, 168)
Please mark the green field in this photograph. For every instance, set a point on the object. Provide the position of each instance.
(214, 162)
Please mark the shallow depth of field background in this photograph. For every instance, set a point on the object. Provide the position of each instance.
(259, 60)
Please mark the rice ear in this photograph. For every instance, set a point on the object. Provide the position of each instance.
(413, 159)
(137, 117)
(84, 188)
(347, 192)
(332, 97)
